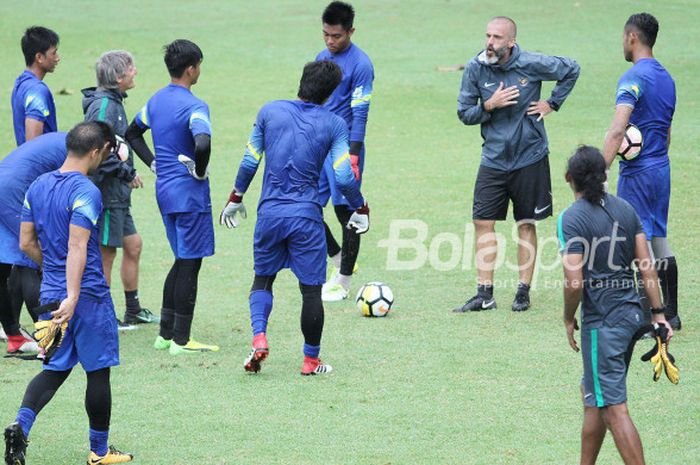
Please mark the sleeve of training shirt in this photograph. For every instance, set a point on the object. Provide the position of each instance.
(342, 169)
(27, 216)
(254, 151)
(36, 103)
(86, 206)
(142, 118)
(200, 122)
(470, 109)
(570, 233)
(561, 69)
(629, 90)
(362, 79)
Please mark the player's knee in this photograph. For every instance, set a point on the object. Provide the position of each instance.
(613, 415)
(310, 294)
(133, 246)
(108, 253)
(484, 226)
(262, 283)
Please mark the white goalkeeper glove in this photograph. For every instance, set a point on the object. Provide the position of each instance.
(233, 206)
(359, 220)
(190, 165)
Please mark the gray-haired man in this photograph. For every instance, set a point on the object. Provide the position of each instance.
(115, 75)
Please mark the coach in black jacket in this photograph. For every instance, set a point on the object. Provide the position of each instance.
(115, 75)
(501, 91)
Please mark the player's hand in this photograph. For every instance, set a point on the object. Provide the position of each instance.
(503, 97)
(660, 357)
(571, 327)
(191, 167)
(355, 165)
(664, 330)
(359, 220)
(65, 311)
(233, 206)
(540, 107)
(136, 182)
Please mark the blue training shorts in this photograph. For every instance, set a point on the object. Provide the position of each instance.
(296, 243)
(326, 183)
(91, 337)
(191, 235)
(606, 353)
(649, 192)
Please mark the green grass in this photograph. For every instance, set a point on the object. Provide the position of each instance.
(422, 386)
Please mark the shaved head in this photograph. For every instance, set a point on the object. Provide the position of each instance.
(509, 24)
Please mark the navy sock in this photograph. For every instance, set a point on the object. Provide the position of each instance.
(98, 441)
(485, 290)
(132, 302)
(311, 351)
(260, 309)
(26, 418)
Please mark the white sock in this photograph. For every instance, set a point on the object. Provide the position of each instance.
(344, 280)
(336, 259)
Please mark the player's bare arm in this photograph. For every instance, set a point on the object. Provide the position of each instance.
(29, 242)
(32, 128)
(616, 133)
(75, 265)
(651, 280)
(573, 288)
(503, 97)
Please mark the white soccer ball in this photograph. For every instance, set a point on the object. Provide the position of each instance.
(374, 299)
(631, 143)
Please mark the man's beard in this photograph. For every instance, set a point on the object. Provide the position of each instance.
(497, 55)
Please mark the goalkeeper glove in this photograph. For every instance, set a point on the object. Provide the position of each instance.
(48, 334)
(233, 206)
(660, 357)
(191, 167)
(355, 165)
(359, 220)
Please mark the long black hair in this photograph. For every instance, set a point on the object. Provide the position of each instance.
(586, 168)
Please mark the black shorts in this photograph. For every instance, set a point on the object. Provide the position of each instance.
(530, 189)
(115, 224)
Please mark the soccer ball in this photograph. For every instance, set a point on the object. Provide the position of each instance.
(374, 299)
(631, 144)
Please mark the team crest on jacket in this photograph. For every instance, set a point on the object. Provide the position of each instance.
(523, 81)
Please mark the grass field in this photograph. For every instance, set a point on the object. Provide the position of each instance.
(422, 386)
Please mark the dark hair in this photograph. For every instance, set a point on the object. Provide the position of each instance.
(37, 39)
(319, 80)
(586, 168)
(180, 54)
(88, 136)
(339, 13)
(647, 27)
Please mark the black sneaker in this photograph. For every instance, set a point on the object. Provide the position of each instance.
(143, 317)
(521, 302)
(675, 323)
(121, 326)
(15, 445)
(477, 303)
